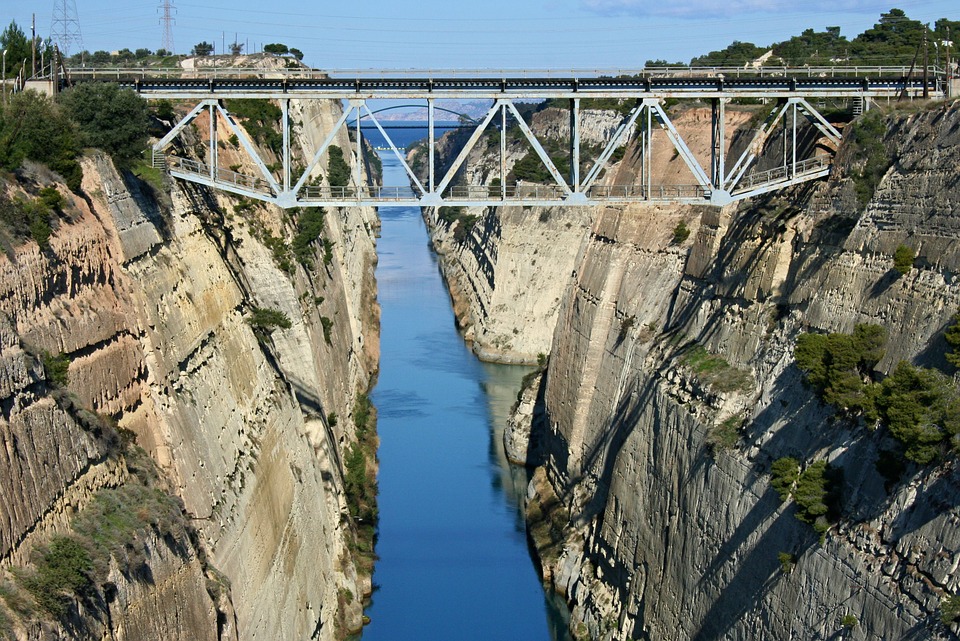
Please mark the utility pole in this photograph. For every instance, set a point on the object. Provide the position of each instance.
(926, 64)
(33, 45)
(949, 70)
(167, 20)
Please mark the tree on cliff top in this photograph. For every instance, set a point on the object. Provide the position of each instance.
(109, 118)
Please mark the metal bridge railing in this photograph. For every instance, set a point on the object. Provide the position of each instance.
(632, 193)
(190, 166)
(127, 73)
(777, 174)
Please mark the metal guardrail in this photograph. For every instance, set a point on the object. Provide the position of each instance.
(190, 166)
(108, 73)
(777, 174)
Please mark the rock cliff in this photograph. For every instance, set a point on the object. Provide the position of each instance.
(652, 509)
(153, 306)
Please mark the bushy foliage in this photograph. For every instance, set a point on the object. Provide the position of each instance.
(724, 435)
(952, 336)
(338, 171)
(814, 495)
(950, 609)
(109, 118)
(921, 407)
(680, 233)
(903, 259)
(870, 155)
(327, 325)
(62, 568)
(837, 364)
(783, 475)
(56, 368)
(735, 54)
(261, 119)
(34, 127)
(787, 562)
(264, 320)
(202, 48)
(309, 229)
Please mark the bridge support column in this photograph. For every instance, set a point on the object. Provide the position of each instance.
(719, 141)
(575, 144)
(213, 142)
(285, 110)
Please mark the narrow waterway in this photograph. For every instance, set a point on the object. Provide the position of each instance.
(453, 556)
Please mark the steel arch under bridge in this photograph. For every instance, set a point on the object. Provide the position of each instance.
(719, 183)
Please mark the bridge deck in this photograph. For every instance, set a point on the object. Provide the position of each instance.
(779, 82)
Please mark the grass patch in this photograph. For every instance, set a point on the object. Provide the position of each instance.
(724, 435)
(715, 371)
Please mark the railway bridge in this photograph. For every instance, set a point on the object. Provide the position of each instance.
(791, 98)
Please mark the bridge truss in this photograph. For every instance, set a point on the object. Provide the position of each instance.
(723, 178)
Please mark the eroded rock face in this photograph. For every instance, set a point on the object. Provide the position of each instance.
(151, 307)
(672, 537)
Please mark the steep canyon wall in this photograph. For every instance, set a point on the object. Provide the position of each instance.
(151, 304)
(652, 508)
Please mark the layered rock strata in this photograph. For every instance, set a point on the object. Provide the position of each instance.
(151, 304)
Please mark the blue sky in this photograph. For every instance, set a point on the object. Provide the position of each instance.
(445, 34)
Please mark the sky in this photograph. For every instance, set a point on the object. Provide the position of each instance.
(489, 34)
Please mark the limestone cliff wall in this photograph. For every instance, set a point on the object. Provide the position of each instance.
(508, 270)
(151, 304)
(668, 537)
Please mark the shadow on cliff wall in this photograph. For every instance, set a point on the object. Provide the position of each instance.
(758, 572)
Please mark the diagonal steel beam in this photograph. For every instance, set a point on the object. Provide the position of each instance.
(680, 145)
(180, 126)
(537, 147)
(250, 149)
(755, 147)
(323, 147)
(818, 121)
(467, 148)
(396, 151)
(612, 146)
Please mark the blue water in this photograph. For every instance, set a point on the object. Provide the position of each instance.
(453, 557)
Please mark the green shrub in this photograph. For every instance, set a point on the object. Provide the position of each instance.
(869, 154)
(362, 409)
(784, 474)
(849, 621)
(56, 368)
(950, 609)
(328, 251)
(310, 225)
(921, 407)
(814, 495)
(724, 435)
(787, 562)
(327, 325)
(903, 259)
(62, 568)
(338, 171)
(836, 365)
(952, 336)
(680, 233)
(261, 119)
(264, 320)
(109, 118)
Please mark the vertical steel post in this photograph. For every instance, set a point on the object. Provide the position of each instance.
(356, 169)
(575, 145)
(649, 135)
(793, 166)
(213, 142)
(285, 109)
(719, 141)
(433, 172)
(503, 152)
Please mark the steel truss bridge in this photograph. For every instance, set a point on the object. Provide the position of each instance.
(788, 93)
